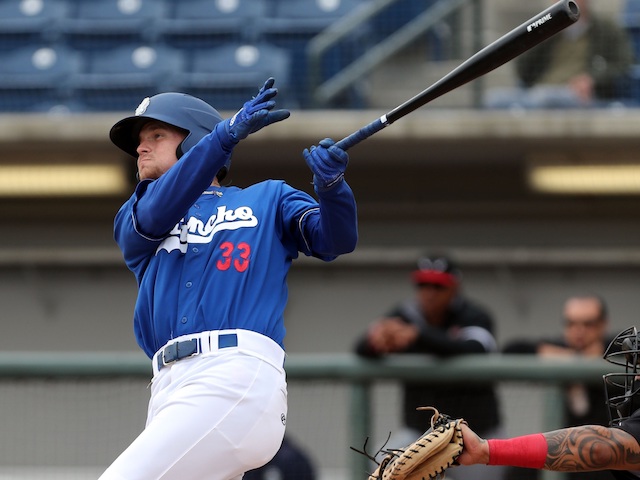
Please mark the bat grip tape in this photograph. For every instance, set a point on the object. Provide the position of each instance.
(365, 132)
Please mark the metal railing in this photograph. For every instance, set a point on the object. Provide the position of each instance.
(323, 91)
(358, 374)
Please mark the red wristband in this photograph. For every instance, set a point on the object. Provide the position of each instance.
(529, 451)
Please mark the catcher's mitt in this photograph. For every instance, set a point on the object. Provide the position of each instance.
(426, 458)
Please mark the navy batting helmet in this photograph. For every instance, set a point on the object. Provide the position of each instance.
(180, 110)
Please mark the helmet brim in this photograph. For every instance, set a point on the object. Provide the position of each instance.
(125, 134)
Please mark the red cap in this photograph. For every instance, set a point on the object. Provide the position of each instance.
(436, 271)
(434, 277)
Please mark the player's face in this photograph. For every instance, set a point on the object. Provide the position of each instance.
(157, 149)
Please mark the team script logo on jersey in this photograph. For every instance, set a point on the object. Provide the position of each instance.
(197, 231)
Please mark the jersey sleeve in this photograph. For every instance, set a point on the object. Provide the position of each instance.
(330, 227)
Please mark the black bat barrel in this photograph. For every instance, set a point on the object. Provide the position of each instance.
(531, 33)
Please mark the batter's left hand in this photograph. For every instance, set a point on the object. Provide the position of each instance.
(327, 162)
(256, 114)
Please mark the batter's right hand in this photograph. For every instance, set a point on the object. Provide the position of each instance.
(327, 162)
(255, 114)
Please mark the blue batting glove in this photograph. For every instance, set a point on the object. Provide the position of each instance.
(327, 162)
(255, 114)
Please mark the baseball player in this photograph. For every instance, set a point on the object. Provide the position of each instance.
(583, 448)
(211, 264)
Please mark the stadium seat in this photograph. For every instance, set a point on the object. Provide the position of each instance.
(307, 17)
(58, 107)
(632, 87)
(630, 20)
(210, 23)
(24, 22)
(36, 74)
(398, 14)
(630, 13)
(95, 24)
(230, 75)
(119, 78)
(293, 23)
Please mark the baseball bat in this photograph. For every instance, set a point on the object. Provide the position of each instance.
(534, 31)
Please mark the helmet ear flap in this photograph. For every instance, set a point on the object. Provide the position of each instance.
(183, 147)
(222, 174)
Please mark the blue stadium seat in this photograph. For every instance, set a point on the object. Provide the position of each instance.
(398, 14)
(59, 107)
(95, 24)
(36, 74)
(209, 23)
(293, 23)
(230, 75)
(119, 78)
(307, 17)
(630, 20)
(632, 87)
(24, 22)
(630, 13)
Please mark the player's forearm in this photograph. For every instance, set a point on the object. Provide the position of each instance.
(575, 449)
(590, 448)
(338, 232)
(437, 342)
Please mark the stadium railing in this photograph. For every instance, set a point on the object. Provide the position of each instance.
(67, 415)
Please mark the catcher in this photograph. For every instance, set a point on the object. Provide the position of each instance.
(426, 458)
(585, 448)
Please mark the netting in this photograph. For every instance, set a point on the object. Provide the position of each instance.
(73, 428)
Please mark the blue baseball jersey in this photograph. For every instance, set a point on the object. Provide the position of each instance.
(223, 263)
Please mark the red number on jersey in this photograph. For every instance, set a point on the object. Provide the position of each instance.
(240, 260)
(227, 251)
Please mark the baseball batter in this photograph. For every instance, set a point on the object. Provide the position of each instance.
(211, 264)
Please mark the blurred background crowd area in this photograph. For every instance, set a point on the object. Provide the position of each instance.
(104, 55)
(534, 205)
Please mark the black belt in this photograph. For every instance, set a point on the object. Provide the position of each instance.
(189, 348)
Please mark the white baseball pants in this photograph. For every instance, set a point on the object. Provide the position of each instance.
(212, 416)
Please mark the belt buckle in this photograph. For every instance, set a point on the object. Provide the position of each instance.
(179, 350)
(169, 349)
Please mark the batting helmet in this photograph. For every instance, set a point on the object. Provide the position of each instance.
(621, 389)
(180, 110)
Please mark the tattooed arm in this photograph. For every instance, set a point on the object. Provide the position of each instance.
(591, 447)
(575, 449)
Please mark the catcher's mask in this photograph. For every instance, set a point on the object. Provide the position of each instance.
(179, 110)
(621, 388)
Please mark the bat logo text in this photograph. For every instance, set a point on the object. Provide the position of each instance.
(539, 22)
